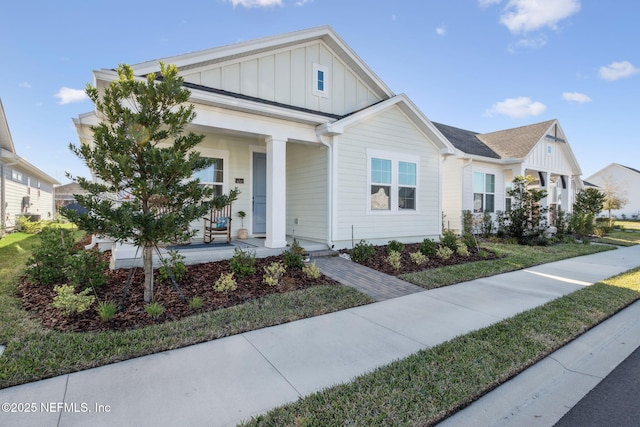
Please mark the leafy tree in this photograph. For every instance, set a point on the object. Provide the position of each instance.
(143, 162)
(615, 198)
(525, 217)
(589, 200)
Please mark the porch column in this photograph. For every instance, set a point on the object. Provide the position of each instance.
(276, 193)
(545, 203)
(565, 194)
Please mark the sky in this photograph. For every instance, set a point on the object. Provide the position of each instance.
(480, 65)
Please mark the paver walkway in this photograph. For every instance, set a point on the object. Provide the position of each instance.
(378, 286)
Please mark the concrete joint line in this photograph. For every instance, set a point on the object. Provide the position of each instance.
(424, 345)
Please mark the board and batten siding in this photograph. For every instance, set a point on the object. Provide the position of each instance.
(556, 162)
(393, 132)
(286, 76)
(307, 191)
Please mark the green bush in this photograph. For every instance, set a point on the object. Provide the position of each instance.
(106, 310)
(27, 226)
(70, 302)
(293, 259)
(225, 283)
(444, 252)
(196, 303)
(243, 262)
(312, 271)
(86, 269)
(173, 265)
(428, 247)
(449, 239)
(154, 309)
(272, 273)
(47, 263)
(469, 240)
(362, 251)
(418, 257)
(467, 222)
(462, 249)
(394, 260)
(394, 246)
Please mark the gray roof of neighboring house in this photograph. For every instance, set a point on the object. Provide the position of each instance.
(513, 143)
(466, 141)
(635, 170)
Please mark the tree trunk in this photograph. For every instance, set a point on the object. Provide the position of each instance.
(147, 263)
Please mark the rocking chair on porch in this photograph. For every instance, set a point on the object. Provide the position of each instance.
(218, 222)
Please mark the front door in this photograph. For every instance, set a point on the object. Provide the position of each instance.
(259, 209)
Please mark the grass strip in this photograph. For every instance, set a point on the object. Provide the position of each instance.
(514, 257)
(432, 384)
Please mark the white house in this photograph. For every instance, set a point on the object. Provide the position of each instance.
(318, 145)
(24, 189)
(478, 176)
(625, 181)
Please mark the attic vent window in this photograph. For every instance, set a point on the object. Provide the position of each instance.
(320, 80)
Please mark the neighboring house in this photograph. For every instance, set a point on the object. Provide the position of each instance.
(318, 145)
(625, 181)
(66, 196)
(478, 176)
(24, 189)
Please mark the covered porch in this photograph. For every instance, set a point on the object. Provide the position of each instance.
(197, 252)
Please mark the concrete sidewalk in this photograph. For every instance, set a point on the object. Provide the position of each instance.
(227, 380)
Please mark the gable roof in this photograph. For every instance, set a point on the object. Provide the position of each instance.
(6, 141)
(631, 169)
(466, 141)
(518, 142)
(403, 102)
(261, 46)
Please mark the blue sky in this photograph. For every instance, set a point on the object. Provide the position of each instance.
(481, 65)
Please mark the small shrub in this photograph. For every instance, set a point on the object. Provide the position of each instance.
(106, 310)
(69, 302)
(293, 259)
(173, 265)
(154, 309)
(418, 257)
(243, 262)
(362, 251)
(444, 252)
(225, 283)
(394, 246)
(25, 225)
(483, 253)
(312, 271)
(295, 247)
(469, 240)
(86, 269)
(449, 239)
(272, 273)
(196, 303)
(462, 249)
(394, 260)
(48, 261)
(467, 222)
(428, 247)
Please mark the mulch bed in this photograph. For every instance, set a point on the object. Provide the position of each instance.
(379, 260)
(198, 282)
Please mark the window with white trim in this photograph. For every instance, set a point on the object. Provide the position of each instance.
(213, 176)
(320, 80)
(393, 182)
(484, 188)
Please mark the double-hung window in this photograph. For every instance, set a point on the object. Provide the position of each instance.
(484, 188)
(392, 182)
(213, 176)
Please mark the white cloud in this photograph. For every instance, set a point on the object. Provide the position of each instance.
(487, 3)
(580, 98)
(533, 43)
(618, 70)
(25, 85)
(521, 16)
(256, 3)
(68, 95)
(441, 30)
(393, 17)
(299, 2)
(517, 108)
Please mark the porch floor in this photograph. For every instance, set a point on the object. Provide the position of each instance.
(126, 256)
